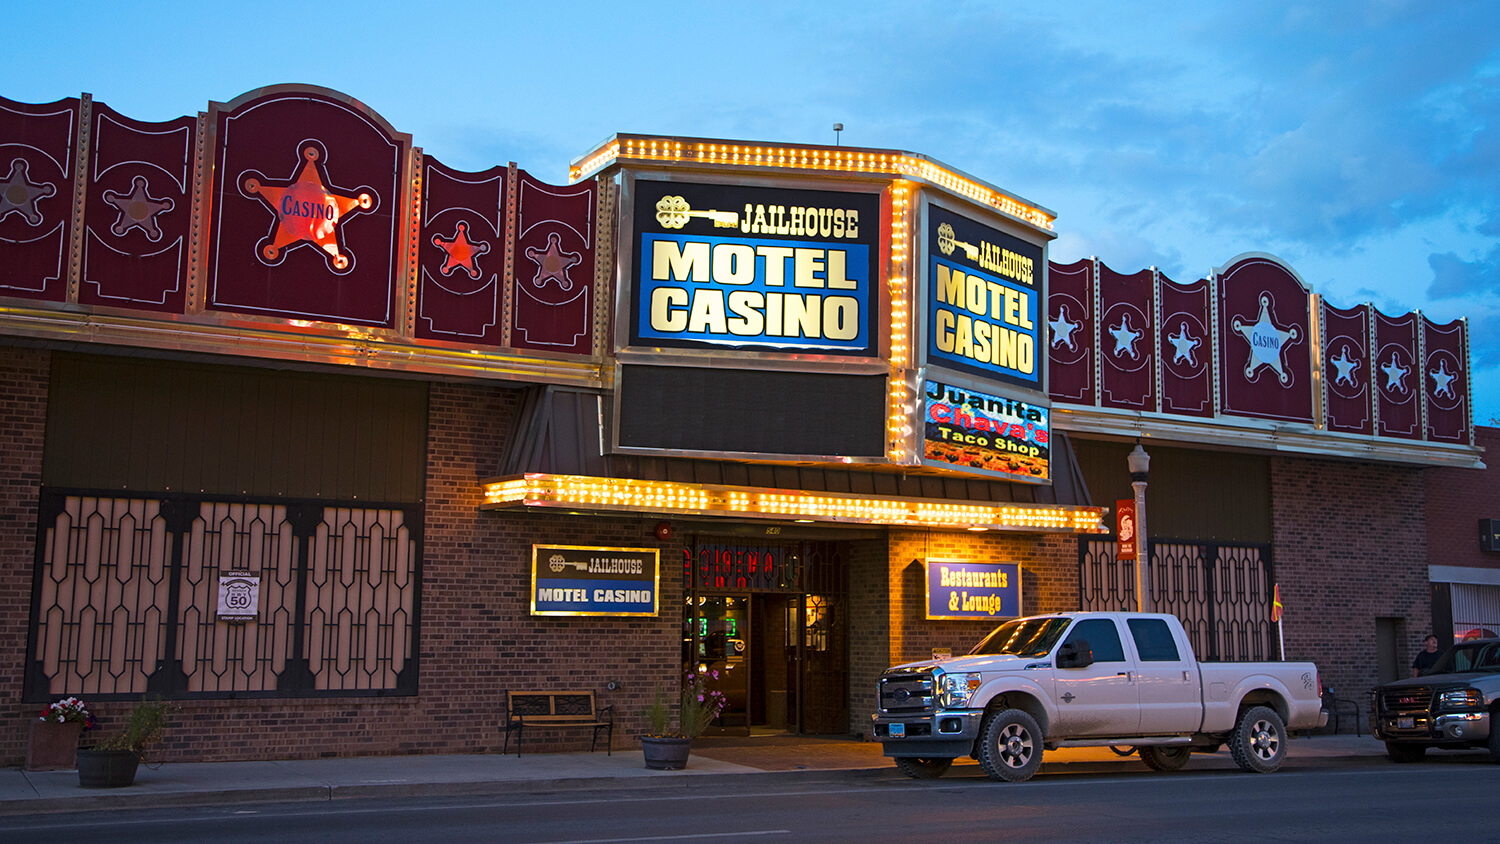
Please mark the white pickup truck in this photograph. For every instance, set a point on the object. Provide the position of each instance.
(1090, 679)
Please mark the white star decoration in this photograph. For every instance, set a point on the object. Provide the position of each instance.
(1062, 329)
(1183, 346)
(1267, 342)
(1345, 366)
(1125, 338)
(1442, 380)
(1395, 375)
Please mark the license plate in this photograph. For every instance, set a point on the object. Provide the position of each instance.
(898, 731)
(1405, 723)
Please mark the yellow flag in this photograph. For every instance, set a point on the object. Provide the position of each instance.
(1276, 608)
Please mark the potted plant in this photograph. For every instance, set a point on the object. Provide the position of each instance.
(53, 743)
(666, 749)
(112, 762)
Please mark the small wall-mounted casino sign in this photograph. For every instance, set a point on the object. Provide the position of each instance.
(581, 580)
(239, 596)
(721, 266)
(957, 589)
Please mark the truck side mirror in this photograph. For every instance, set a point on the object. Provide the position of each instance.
(1075, 654)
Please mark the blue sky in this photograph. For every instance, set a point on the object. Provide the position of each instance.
(1358, 141)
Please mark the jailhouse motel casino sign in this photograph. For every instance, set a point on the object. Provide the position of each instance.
(874, 292)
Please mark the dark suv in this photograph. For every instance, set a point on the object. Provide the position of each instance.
(1454, 704)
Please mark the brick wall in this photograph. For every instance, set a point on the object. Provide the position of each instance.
(477, 636)
(1350, 546)
(1456, 500)
(23, 406)
(889, 598)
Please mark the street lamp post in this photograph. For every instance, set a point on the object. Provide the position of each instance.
(1140, 462)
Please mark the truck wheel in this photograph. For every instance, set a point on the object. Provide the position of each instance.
(1258, 742)
(1165, 758)
(920, 768)
(1404, 753)
(1011, 746)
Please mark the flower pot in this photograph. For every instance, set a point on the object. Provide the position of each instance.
(107, 768)
(52, 746)
(666, 754)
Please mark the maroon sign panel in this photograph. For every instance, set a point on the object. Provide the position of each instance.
(1186, 348)
(37, 161)
(1265, 350)
(1127, 339)
(1446, 380)
(1347, 370)
(139, 212)
(307, 202)
(1398, 378)
(554, 272)
(1070, 318)
(461, 255)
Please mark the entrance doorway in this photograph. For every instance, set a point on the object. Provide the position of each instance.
(767, 626)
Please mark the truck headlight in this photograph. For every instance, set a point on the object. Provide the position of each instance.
(1461, 699)
(954, 690)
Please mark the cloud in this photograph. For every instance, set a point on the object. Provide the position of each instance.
(1454, 277)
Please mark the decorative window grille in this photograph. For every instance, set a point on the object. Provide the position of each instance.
(125, 598)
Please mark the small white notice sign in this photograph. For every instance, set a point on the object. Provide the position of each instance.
(239, 596)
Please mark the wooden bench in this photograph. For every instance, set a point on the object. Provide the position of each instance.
(555, 709)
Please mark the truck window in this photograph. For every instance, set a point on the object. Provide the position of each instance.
(1030, 638)
(1103, 639)
(1153, 640)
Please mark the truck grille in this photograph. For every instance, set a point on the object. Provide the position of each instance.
(1407, 699)
(906, 694)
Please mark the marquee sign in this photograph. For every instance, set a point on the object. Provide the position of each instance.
(983, 301)
(984, 434)
(578, 580)
(725, 266)
(960, 590)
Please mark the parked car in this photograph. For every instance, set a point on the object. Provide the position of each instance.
(1453, 704)
(1090, 679)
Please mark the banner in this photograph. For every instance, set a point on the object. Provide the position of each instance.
(1125, 528)
(984, 434)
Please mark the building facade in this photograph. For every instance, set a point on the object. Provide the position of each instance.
(333, 444)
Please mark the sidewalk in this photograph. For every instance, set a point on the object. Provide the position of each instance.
(714, 762)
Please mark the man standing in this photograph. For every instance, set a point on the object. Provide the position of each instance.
(1426, 658)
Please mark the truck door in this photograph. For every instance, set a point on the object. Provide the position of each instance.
(1100, 699)
(1166, 679)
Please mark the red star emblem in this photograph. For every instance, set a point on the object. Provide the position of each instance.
(137, 210)
(553, 264)
(461, 252)
(306, 210)
(18, 195)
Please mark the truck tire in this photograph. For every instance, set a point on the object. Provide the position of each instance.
(923, 768)
(1404, 753)
(1258, 741)
(1165, 758)
(1010, 746)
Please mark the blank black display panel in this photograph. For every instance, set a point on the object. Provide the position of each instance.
(774, 413)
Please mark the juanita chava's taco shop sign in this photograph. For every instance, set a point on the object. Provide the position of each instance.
(984, 434)
(576, 580)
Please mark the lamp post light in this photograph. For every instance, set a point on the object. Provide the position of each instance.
(1140, 463)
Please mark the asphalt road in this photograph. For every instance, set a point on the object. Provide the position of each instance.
(1455, 799)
